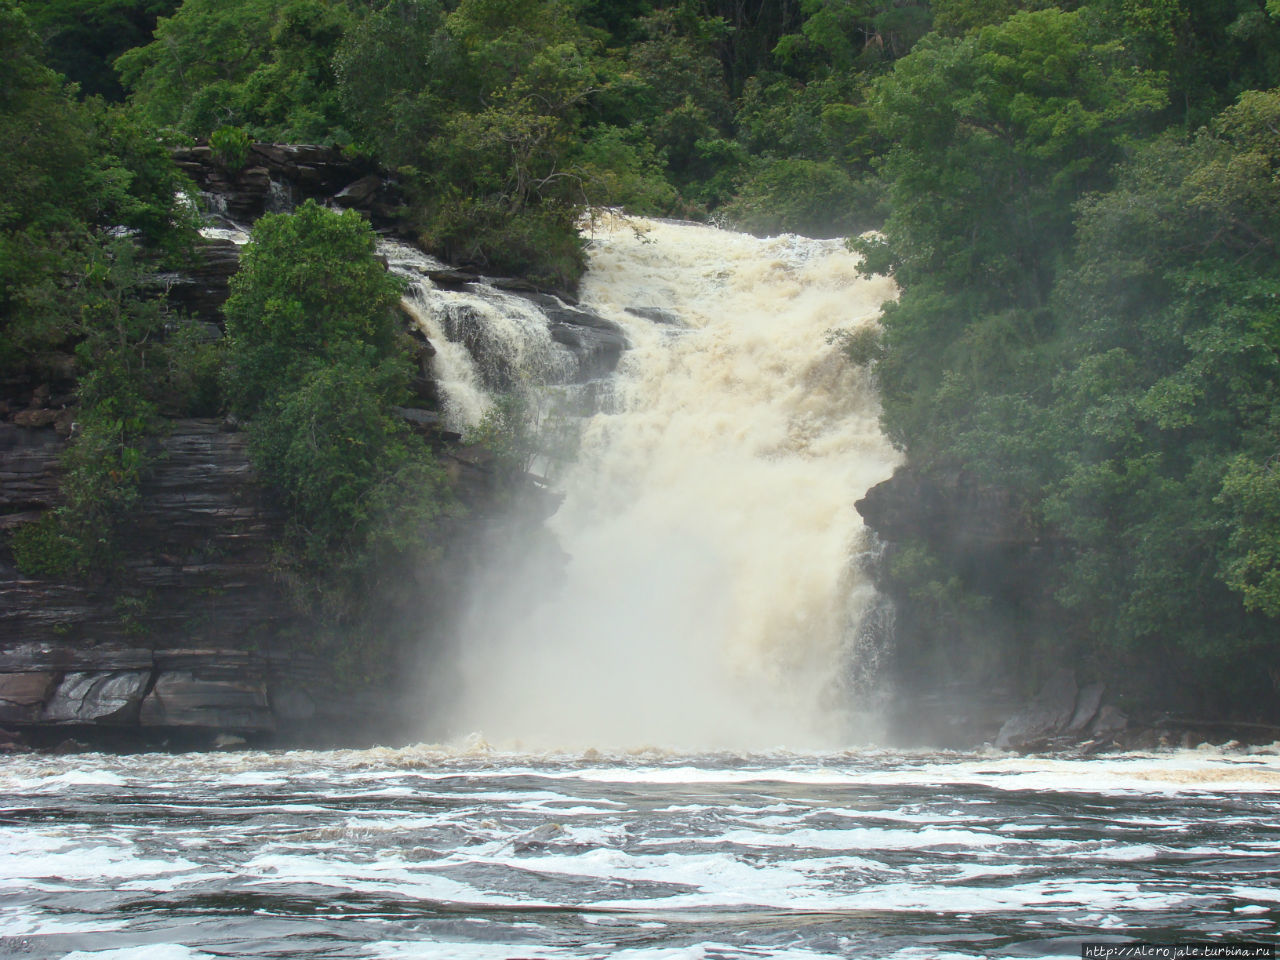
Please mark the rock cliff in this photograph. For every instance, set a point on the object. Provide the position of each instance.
(193, 637)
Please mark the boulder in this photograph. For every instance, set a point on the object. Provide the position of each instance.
(1046, 715)
(422, 418)
(23, 695)
(359, 192)
(97, 697)
(36, 418)
(596, 343)
(596, 350)
(1087, 703)
(183, 699)
(1109, 721)
(657, 315)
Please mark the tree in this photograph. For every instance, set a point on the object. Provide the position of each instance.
(309, 291)
(315, 365)
(1165, 412)
(994, 135)
(256, 64)
(84, 37)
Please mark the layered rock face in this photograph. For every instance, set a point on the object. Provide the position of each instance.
(956, 690)
(182, 636)
(194, 636)
(275, 176)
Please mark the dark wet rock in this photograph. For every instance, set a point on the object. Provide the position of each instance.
(597, 351)
(23, 695)
(29, 473)
(202, 288)
(512, 284)
(451, 278)
(359, 192)
(293, 704)
(1088, 700)
(12, 741)
(1046, 715)
(35, 418)
(279, 175)
(597, 344)
(1109, 721)
(657, 315)
(183, 699)
(949, 508)
(420, 854)
(423, 418)
(197, 569)
(97, 697)
(64, 656)
(537, 838)
(70, 746)
(195, 635)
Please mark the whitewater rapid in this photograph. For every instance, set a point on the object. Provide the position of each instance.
(468, 852)
(713, 596)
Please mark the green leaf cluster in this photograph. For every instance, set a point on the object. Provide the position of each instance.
(90, 210)
(257, 64)
(1087, 313)
(314, 366)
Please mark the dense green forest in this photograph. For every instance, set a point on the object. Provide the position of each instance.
(1079, 203)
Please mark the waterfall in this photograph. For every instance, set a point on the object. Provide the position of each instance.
(486, 341)
(712, 596)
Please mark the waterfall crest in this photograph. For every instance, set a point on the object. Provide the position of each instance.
(712, 596)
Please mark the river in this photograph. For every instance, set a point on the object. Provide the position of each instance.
(426, 852)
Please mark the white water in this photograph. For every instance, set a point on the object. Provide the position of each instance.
(713, 595)
(431, 851)
(485, 340)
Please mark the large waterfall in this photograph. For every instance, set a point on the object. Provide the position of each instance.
(713, 595)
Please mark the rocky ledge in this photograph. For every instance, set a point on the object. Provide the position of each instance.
(193, 638)
(276, 176)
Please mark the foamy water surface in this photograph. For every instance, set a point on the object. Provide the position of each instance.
(471, 853)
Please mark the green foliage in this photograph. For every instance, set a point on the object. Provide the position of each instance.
(622, 168)
(337, 454)
(84, 37)
(1210, 50)
(839, 35)
(863, 345)
(994, 136)
(256, 64)
(315, 365)
(230, 147)
(130, 369)
(88, 213)
(1251, 564)
(485, 106)
(1086, 319)
(44, 548)
(308, 290)
(1172, 389)
(816, 199)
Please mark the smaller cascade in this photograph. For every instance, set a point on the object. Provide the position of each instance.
(490, 341)
(486, 341)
